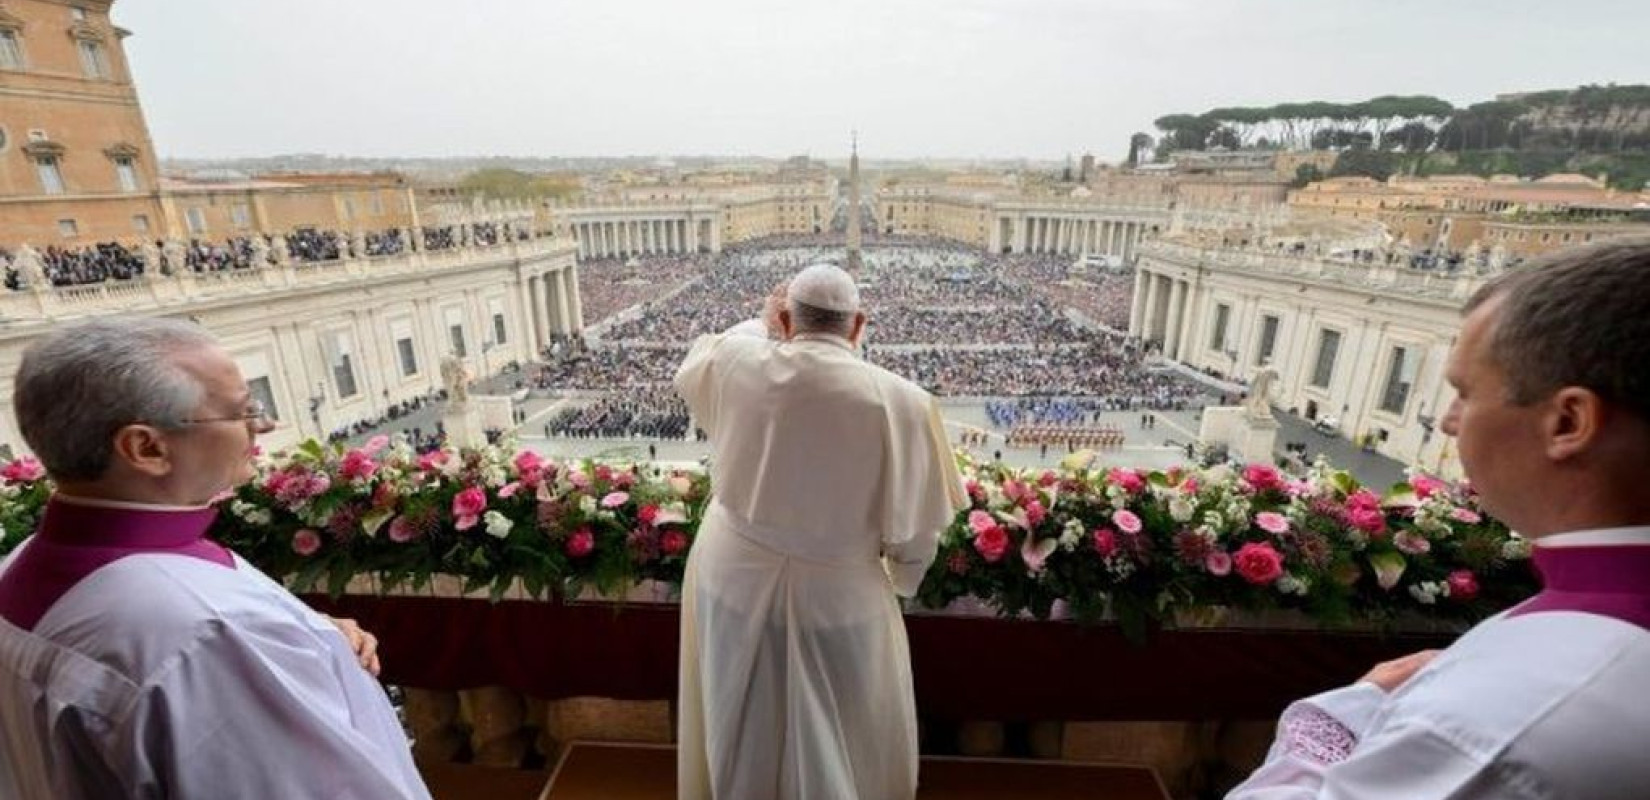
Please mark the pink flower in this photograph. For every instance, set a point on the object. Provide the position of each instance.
(1258, 563)
(975, 490)
(1262, 477)
(1298, 487)
(624, 480)
(647, 514)
(615, 500)
(604, 473)
(1463, 585)
(528, 461)
(672, 542)
(467, 507)
(1047, 479)
(1126, 521)
(1105, 542)
(305, 542)
(1035, 513)
(432, 461)
(357, 465)
(1272, 522)
(1411, 542)
(1363, 498)
(401, 531)
(509, 490)
(1426, 486)
(1016, 491)
(1126, 479)
(1368, 520)
(579, 480)
(376, 444)
(1466, 515)
(24, 468)
(980, 521)
(580, 543)
(992, 544)
(1190, 486)
(1218, 563)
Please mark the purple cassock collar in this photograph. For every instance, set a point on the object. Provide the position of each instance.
(75, 540)
(1608, 580)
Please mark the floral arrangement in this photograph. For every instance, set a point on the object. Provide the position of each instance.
(1084, 542)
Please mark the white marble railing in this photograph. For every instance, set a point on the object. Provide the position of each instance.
(155, 292)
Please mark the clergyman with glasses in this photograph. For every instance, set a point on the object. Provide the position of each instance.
(137, 657)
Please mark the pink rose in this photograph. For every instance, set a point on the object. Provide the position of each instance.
(1272, 522)
(24, 468)
(432, 461)
(1048, 478)
(1016, 491)
(1126, 521)
(1258, 563)
(672, 542)
(1190, 486)
(305, 542)
(1363, 498)
(1262, 477)
(509, 490)
(376, 444)
(624, 480)
(1463, 586)
(975, 490)
(1412, 543)
(528, 461)
(604, 473)
(579, 480)
(615, 500)
(1126, 479)
(647, 514)
(402, 531)
(580, 543)
(1035, 514)
(992, 543)
(980, 521)
(1218, 563)
(1105, 542)
(1368, 520)
(1426, 486)
(357, 465)
(1466, 515)
(470, 502)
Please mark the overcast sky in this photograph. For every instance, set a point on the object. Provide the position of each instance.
(939, 78)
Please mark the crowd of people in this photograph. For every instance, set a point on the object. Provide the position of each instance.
(608, 286)
(1071, 437)
(655, 413)
(1114, 376)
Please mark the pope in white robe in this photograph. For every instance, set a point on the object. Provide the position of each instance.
(832, 481)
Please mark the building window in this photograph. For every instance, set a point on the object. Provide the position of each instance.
(1223, 316)
(196, 219)
(409, 358)
(93, 62)
(499, 335)
(126, 173)
(1329, 346)
(340, 361)
(11, 52)
(51, 177)
(77, 14)
(68, 228)
(349, 209)
(1268, 339)
(240, 215)
(140, 223)
(1400, 379)
(262, 393)
(455, 335)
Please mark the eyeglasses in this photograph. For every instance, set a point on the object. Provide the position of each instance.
(255, 412)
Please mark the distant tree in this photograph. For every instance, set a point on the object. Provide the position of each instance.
(1364, 161)
(1413, 137)
(1306, 174)
(1139, 143)
(1227, 137)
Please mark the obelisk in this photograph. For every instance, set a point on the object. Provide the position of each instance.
(854, 260)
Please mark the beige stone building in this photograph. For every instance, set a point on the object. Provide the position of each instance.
(76, 161)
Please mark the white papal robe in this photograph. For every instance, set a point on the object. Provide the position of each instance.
(832, 481)
(170, 676)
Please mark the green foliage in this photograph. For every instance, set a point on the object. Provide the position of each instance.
(509, 184)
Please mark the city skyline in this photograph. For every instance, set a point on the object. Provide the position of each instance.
(984, 79)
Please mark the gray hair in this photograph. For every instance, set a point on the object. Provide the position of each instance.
(82, 383)
(813, 319)
(1579, 317)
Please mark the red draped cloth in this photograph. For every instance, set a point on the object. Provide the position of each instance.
(965, 667)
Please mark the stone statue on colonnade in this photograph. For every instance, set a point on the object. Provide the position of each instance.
(1259, 403)
(30, 268)
(457, 378)
(260, 252)
(152, 265)
(177, 263)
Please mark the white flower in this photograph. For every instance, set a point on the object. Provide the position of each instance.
(497, 524)
(587, 504)
(1516, 549)
(1181, 509)
(494, 475)
(1219, 475)
(1071, 535)
(1290, 584)
(1428, 592)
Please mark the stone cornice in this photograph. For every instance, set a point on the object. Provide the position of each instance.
(44, 150)
(9, 21)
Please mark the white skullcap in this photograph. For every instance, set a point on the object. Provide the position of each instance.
(825, 286)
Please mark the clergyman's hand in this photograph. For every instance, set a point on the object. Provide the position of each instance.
(771, 307)
(362, 643)
(1389, 675)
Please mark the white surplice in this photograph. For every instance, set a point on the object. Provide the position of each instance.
(832, 481)
(169, 676)
(1544, 706)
